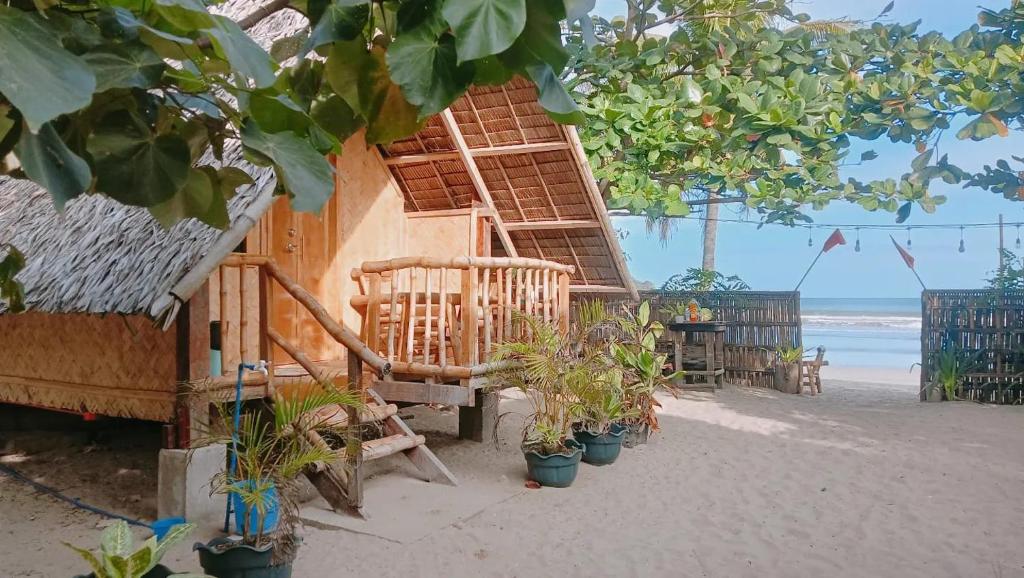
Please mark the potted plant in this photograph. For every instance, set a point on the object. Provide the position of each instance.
(600, 428)
(272, 449)
(643, 372)
(551, 367)
(787, 369)
(117, 558)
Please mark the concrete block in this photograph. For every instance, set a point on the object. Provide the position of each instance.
(183, 485)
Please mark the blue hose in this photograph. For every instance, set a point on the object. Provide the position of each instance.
(236, 424)
(18, 476)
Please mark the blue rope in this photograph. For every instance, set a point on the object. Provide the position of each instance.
(6, 470)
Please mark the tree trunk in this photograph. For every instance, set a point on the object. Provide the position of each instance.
(710, 234)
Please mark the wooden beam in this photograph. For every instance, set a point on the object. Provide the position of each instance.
(417, 392)
(568, 224)
(421, 158)
(477, 179)
(440, 213)
(539, 147)
(597, 289)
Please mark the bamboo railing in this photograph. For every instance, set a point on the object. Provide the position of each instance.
(441, 318)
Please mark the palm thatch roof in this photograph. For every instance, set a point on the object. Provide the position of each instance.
(99, 256)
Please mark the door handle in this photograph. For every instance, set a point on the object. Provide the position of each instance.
(290, 248)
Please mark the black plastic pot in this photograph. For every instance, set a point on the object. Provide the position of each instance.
(555, 470)
(601, 449)
(158, 571)
(636, 434)
(223, 558)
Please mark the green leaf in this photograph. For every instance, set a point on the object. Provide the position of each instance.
(135, 166)
(553, 97)
(361, 78)
(52, 165)
(339, 22)
(491, 71)
(305, 174)
(868, 156)
(89, 557)
(37, 75)
(131, 25)
(746, 102)
(199, 198)
(541, 38)
(184, 14)
(116, 539)
(336, 117)
(242, 51)
(143, 560)
(484, 27)
(423, 62)
(173, 536)
(125, 66)
(230, 178)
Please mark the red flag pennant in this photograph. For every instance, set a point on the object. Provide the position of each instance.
(907, 257)
(836, 238)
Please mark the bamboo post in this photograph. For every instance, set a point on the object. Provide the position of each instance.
(354, 443)
(499, 275)
(509, 306)
(546, 274)
(223, 310)
(470, 304)
(428, 304)
(373, 310)
(563, 302)
(486, 312)
(442, 315)
(243, 317)
(410, 305)
(393, 317)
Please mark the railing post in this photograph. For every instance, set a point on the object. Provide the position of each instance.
(470, 353)
(354, 444)
(563, 302)
(372, 329)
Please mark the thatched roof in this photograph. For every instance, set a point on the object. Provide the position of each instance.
(103, 257)
(100, 256)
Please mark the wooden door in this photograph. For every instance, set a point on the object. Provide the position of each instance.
(305, 246)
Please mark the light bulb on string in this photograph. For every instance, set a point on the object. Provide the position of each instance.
(962, 249)
(1017, 242)
(856, 246)
(908, 238)
(810, 241)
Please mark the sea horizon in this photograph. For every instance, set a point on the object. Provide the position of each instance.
(882, 332)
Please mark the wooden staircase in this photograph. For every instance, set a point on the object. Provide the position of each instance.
(340, 483)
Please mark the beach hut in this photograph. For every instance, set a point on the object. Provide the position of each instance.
(410, 274)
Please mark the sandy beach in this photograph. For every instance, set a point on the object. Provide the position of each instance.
(862, 480)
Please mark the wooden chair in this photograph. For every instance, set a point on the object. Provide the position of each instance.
(810, 369)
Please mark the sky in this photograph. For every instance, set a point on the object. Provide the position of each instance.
(774, 258)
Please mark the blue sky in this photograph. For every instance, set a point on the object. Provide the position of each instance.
(774, 258)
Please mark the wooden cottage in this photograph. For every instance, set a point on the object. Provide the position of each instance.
(410, 274)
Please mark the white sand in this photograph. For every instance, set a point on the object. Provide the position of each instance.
(861, 481)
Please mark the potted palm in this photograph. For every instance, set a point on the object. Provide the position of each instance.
(551, 367)
(600, 428)
(272, 449)
(643, 372)
(787, 369)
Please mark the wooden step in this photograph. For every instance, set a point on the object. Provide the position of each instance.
(390, 445)
(336, 416)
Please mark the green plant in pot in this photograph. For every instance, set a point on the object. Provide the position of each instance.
(600, 428)
(117, 558)
(643, 372)
(787, 369)
(550, 367)
(273, 448)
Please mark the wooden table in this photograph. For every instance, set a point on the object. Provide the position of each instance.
(704, 360)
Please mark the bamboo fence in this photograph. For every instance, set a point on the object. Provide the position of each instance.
(985, 323)
(757, 323)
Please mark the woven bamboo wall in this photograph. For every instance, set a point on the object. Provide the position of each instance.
(985, 321)
(112, 365)
(758, 323)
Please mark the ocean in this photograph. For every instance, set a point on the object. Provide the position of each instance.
(862, 332)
